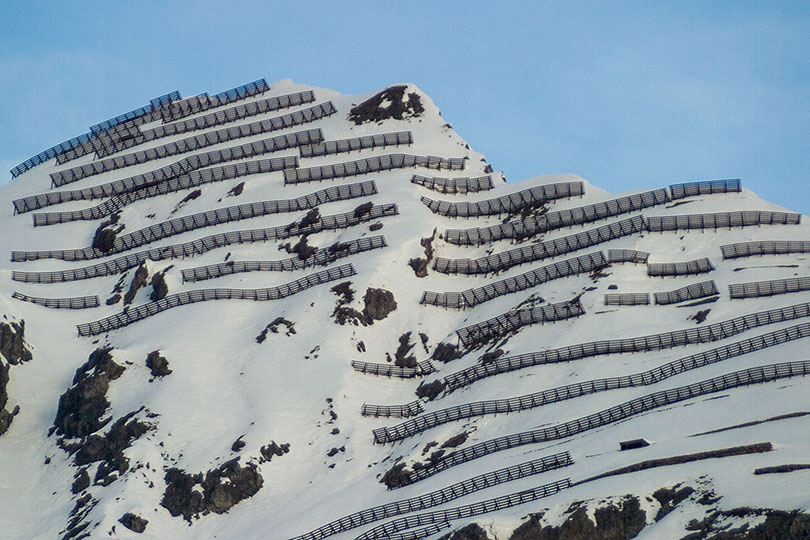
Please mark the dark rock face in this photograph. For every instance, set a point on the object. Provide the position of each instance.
(312, 218)
(379, 303)
(12, 343)
(778, 524)
(104, 238)
(471, 532)
(222, 488)
(272, 449)
(363, 210)
(456, 440)
(445, 352)
(82, 405)
(158, 365)
(430, 390)
(133, 522)
(237, 190)
(159, 288)
(419, 264)
(81, 482)
(344, 314)
(670, 498)
(302, 248)
(110, 446)
(612, 523)
(276, 328)
(5, 416)
(403, 356)
(138, 281)
(238, 444)
(190, 197)
(396, 475)
(399, 108)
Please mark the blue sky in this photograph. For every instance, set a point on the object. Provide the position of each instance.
(627, 95)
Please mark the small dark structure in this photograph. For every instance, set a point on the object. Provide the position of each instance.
(632, 445)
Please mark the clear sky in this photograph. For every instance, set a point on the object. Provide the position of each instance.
(627, 95)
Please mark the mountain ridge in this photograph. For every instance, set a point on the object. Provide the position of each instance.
(230, 395)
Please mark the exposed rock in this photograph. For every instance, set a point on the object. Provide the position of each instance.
(389, 103)
(5, 416)
(419, 264)
(312, 218)
(138, 281)
(269, 450)
(424, 339)
(133, 522)
(375, 226)
(114, 299)
(612, 523)
(109, 448)
(344, 291)
(445, 352)
(430, 390)
(363, 210)
(238, 444)
(669, 498)
(159, 287)
(344, 314)
(473, 531)
(219, 489)
(158, 365)
(378, 304)
(456, 440)
(403, 356)
(700, 316)
(491, 356)
(81, 482)
(82, 405)
(396, 475)
(12, 343)
(104, 238)
(302, 248)
(275, 327)
(236, 190)
(188, 198)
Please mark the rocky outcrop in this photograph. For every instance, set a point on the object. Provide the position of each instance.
(430, 390)
(108, 449)
(272, 449)
(82, 405)
(5, 416)
(12, 343)
(389, 103)
(138, 281)
(157, 364)
(419, 265)
(133, 522)
(378, 304)
(276, 328)
(215, 491)
(104, 238)
(611, 523)
(159, 287)
(403, 356)
(473, 531)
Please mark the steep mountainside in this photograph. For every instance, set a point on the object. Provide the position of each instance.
(280, 312)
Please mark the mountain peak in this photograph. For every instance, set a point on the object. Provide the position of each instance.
(256, 313)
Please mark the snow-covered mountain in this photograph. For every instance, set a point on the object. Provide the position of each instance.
(280, 312)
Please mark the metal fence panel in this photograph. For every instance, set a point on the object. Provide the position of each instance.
(141, 312)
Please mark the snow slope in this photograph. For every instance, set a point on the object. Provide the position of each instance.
(296, 389)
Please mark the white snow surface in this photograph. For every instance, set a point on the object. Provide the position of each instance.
(225, 385)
